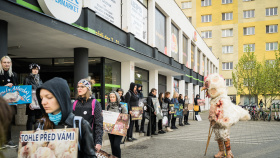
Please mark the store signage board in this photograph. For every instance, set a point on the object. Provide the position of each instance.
(66, 10)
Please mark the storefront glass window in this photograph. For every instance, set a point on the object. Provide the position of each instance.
(160, 32)
(192, 56)
(161, 84)
(174, 42)
(112, 76)
(198, 61)
(203, 64)
(186, 89)
(176, 85)
(142, 77)
(185, 51)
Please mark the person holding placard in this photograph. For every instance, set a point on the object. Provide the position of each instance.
(90, 109)
(181, 100)
(160, 99)
(8, 78)
(167, 100)
(196, 106)
(174, 100)
(54, 100)
(152, 121)
(115, 106)
(186, 115)
(33, 79)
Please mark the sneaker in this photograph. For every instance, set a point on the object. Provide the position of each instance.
(134, 138)
(160, 132)
(2, 147)
(168, 129)
(10, 144)
(188, 123)
(129, 140)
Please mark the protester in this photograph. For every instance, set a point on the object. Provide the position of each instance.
(55, 103)
(120, 91)
(8, 78)
(152, 121)
(141, 96)
(33, 79)
(167, 100)
(173, 101)
(6, 115)
(132, 100)
(84, 107)
(181, 101)
(195, 103)
(160, 98)
(115, 106)
(186, 116)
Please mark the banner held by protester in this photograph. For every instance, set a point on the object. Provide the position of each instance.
(115, 123)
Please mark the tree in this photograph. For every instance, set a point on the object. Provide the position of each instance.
(246, 75)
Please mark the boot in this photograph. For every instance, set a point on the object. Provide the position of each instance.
(168, 129)
(228, 149)
(221, 149)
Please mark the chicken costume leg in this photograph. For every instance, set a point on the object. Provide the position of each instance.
(223, 113)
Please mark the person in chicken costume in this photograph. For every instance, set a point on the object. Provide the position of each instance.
(223, 113)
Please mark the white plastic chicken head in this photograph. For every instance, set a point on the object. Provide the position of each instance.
(214, 85)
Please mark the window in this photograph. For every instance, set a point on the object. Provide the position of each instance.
(186, 5)
(248, 0)
(271, 11)
(249, 47)
(203, 64)
(190, 19)
(206, 34)
(174, 42)
(176, 85)
(162, 86)
(226, 1)
(271, 46)
(271, 28)
(185, 51)
(228, 66)
(227, 16)
(192, 56)
(229, 82)
(206, 18)
(198, 61)
(142, 77)
(186, 89)
(227, 33)
(160, 31)
(227, 49)
(248, 30)
(206, 3)
(249, 14)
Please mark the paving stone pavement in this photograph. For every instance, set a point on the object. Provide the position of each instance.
(249, 139)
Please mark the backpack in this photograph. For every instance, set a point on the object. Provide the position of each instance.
(92, 107)
(79, 120)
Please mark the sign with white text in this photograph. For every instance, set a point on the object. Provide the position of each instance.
(16, 94)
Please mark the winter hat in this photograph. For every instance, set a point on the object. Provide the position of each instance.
(85, 83)
(33, 66)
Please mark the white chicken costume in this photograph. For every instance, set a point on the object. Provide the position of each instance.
(223, 113)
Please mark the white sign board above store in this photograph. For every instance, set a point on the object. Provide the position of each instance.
(139, 18)
(65, 10)
(109, 10)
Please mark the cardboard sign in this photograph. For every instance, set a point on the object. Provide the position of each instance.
(157, 108)
(115, 123)
(190, 107)
(178, 110)
(49, 143)
(16, 94)
(164, 109)
(125, 105)
(34, 104)
(136, 113)
(198, 117)
(171, 107)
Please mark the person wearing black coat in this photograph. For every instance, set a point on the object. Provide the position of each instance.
(54, 100)
(167, 100)
(132, 100)
(173, 101)
(120, 91)
(152, 121)
(33, 79)
(160, 99)
(181, 101)
(195, 103)
(8, 78)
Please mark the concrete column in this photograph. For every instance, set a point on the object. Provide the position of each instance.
(126, 15)
(182, 87)
(190, 92)
(80, 64)
(180, 46)
(168, 35)
(127, 71)
(196, 88)
(195, 60)
(151, 23)
(3, 38)
(153, 79)
(170, 84)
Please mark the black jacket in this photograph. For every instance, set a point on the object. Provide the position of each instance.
(131, 98)
(59, 88)
(195, 101)
(29, 80)
(5, 79)
(85, 110)
(167, 100)
(181, 101)
(140, 94)
(150, 102)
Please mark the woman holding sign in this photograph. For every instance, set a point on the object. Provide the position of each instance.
(54, 100)
(174, 100)
(115, 106)
(34, 80)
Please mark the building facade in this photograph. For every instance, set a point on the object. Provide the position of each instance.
(229, 26)
(114, 42)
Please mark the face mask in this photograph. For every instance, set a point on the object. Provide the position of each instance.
(55, 118)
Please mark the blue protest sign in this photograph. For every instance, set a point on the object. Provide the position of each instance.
(16, 94)
(178, 110)
(125, 105)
